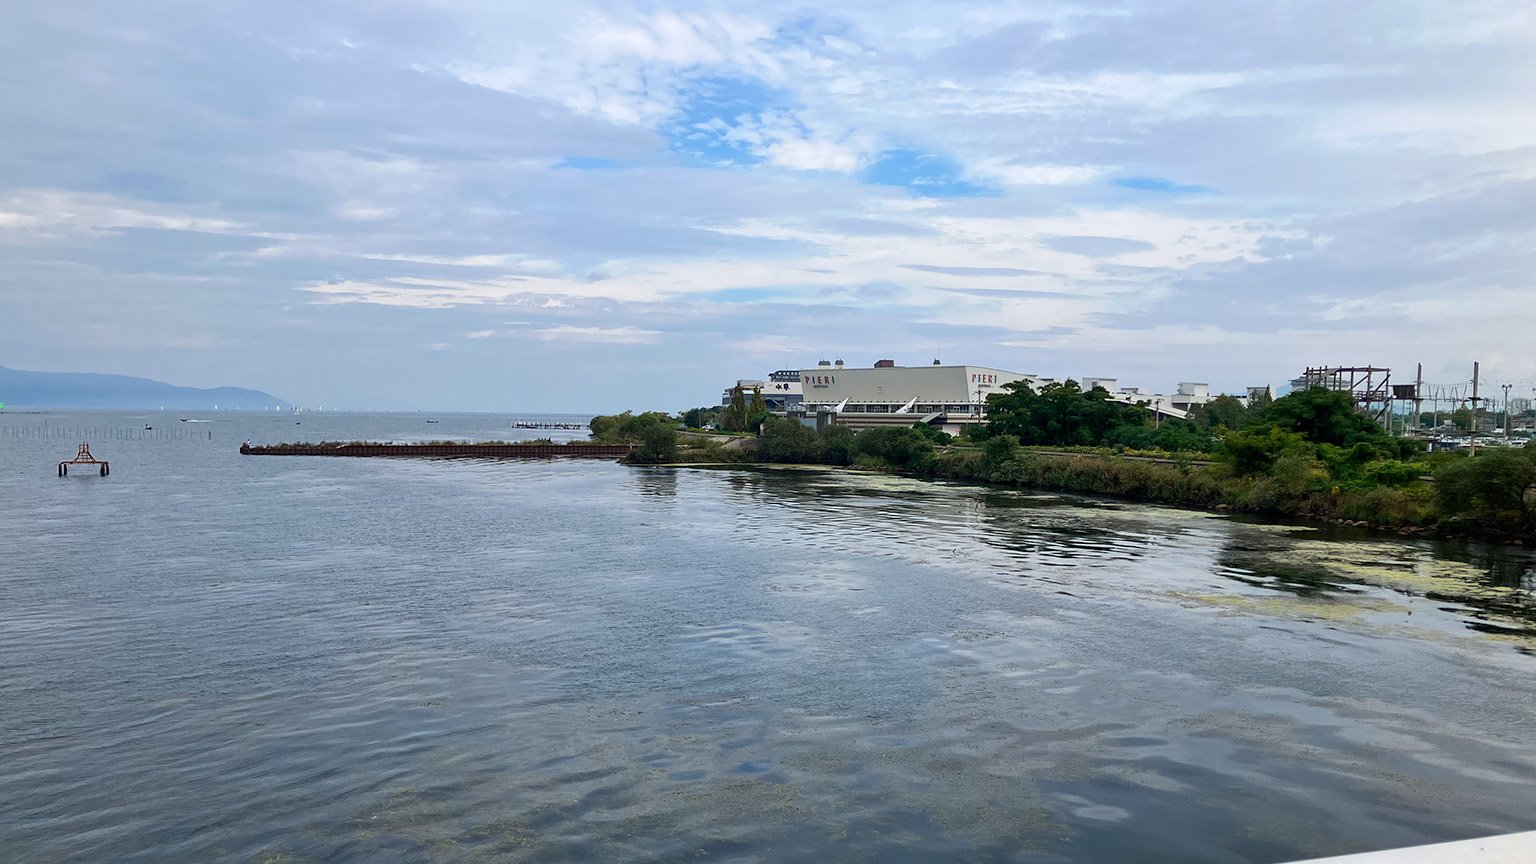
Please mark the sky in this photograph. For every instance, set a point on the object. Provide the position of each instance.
(581, 207)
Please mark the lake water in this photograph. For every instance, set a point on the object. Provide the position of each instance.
(209, 657)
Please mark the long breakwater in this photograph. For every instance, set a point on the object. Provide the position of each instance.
(444, 450)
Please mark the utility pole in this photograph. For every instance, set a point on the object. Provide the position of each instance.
(1473, 451)
(1418, 398)
(1506, 413)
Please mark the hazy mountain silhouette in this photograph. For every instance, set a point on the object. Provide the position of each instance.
(92, 390)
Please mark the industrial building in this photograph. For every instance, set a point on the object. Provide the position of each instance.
(945, 396)
(887, 388)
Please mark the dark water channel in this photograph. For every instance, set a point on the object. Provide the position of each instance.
(207, 657)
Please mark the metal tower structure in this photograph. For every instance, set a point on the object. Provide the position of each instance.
(1369, 387)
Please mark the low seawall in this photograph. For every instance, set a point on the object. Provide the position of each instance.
(499, 451)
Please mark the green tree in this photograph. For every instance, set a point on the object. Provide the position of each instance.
(1257, 404)
(1223, 412)
(1496, 488)
(629, 427)
(1253, 452)
(1060, 413)
(735, 417)
(1178, 436)
(604, 428)
(698, 418)
(839, 445)
(934, 433)
(786, 440)
(658, 444)
(901, 446)
(1324, 416)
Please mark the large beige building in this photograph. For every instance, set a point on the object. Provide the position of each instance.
(905, 389)
(946, 396)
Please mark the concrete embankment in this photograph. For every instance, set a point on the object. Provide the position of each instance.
(440, 450)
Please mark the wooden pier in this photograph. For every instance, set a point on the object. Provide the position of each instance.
(83, 457)
(449, 451)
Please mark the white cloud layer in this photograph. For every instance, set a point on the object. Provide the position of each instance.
(240, 193)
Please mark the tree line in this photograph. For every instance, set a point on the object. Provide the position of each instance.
(1306, 454)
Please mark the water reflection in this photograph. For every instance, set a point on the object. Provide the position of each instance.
(358, 660)
(655, 482)
(1490, 587)
(1042, 537)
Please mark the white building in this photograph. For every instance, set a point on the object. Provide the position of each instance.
(945, 396)
(781, 390)
(887, 394)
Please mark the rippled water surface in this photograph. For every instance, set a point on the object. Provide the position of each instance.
(209, 657)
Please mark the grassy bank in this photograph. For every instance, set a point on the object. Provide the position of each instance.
(1408, 509)
(1307, 456)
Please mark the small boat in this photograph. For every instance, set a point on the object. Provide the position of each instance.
(148, 427)
(431, 421)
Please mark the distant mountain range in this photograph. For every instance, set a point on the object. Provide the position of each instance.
(92, 390)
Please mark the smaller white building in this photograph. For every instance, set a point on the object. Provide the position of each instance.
(781, 390)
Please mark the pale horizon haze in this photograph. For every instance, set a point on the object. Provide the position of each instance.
(592, 207)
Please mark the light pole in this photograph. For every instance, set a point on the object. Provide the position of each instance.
(1507, 412)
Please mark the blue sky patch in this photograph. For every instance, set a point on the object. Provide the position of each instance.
(712, 108)
(1159, 184)
(928, 174)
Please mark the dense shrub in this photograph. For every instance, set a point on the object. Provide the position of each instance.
(839, 445)
(1059, 413)
(896, 445)
(1310, 456)
(1254, 451)
(1494, 489)
(654, 434)
(786, 440)
(626, 428)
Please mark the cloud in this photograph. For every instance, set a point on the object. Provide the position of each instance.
(973, 271)
(1096, 247)
(998, 170)
(1045, 187)
(42, 214)
(605, 335)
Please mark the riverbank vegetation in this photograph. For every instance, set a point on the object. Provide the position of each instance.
(653, 433)
(1307, 455)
